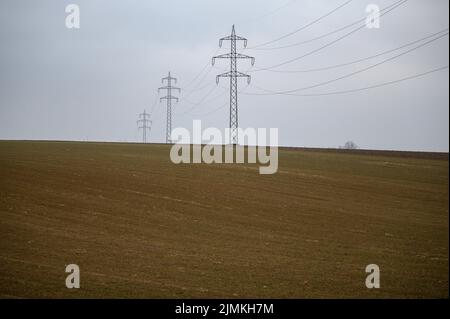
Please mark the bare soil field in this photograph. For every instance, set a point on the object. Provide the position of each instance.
(140, 226)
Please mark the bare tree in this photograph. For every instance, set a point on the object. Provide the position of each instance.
(350, 145)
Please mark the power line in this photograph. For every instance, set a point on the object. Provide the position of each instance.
(326, 34)
(301, 28)
(213, 111)
(324, 46)
(233, 74)
(169, 97)
(213, 88)
(359, 60)
(288, 3)
(195, 104)
(201, 71)
(199, 83)
(219, 108)
(203, 100)
(198, 87)
(154, 104)
(372, 86)
(352, 73)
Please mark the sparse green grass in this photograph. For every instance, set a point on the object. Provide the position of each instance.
(140, 226)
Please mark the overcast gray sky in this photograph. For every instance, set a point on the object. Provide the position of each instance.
(91, 83)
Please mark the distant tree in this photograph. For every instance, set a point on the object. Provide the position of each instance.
(350, 145)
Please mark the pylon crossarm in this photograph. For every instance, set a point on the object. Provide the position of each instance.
(169, 88)
(167, 78)
(243, 56)
(231, 74)
(233, 37)
(223, 75)
(226, 74)
(222, 56)
(240, 74)
(167, 97)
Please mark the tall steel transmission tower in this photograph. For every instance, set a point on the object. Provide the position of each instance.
(233, 74)
(169, 97)
(145, 122)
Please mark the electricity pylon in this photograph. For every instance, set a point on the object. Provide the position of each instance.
(233, 74)
(146, 125)
(169, 99)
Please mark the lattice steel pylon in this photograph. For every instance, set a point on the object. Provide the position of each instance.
(169, 97)
(146, 125)
(233, 74)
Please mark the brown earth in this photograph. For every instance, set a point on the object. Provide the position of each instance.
(140, 226)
